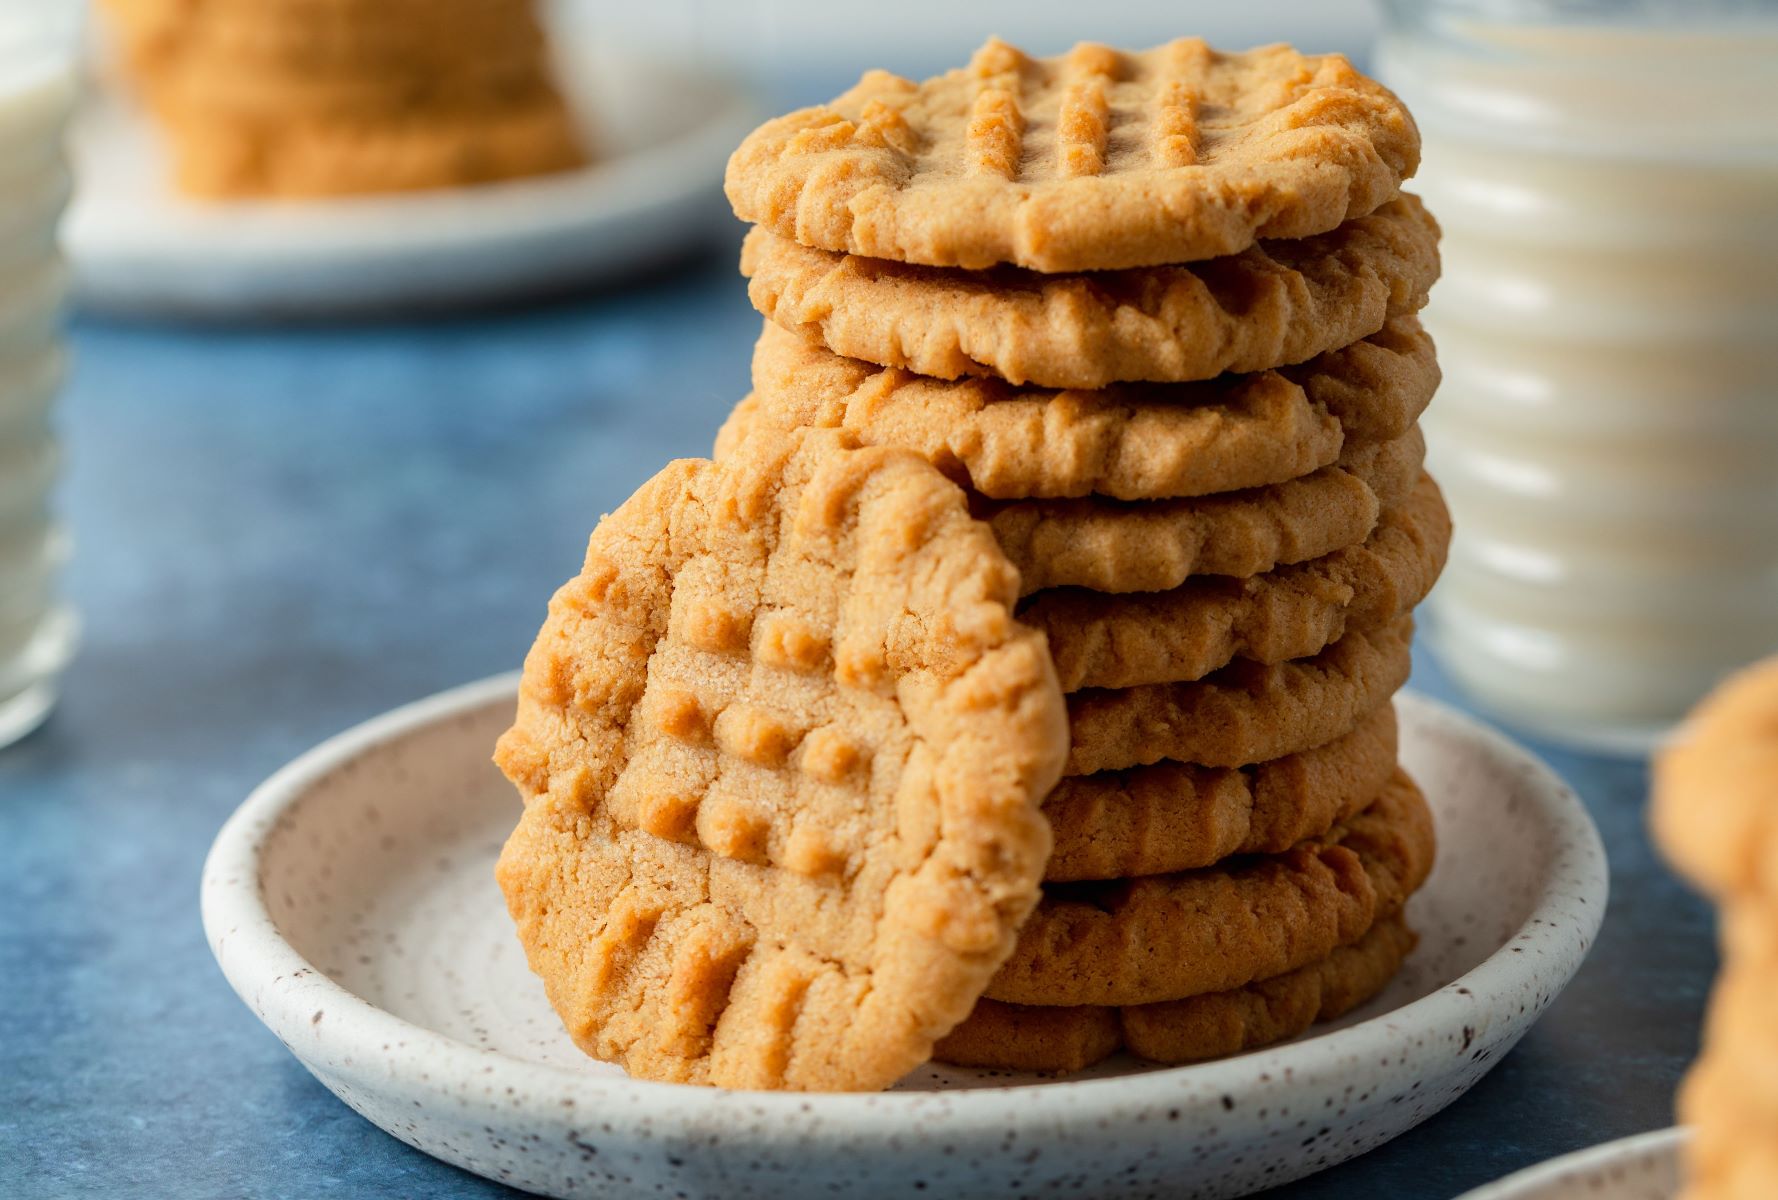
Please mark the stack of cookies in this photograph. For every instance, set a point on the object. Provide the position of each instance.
(1014, 685)
(1155, 314)
(327, 97)
(1716, 813)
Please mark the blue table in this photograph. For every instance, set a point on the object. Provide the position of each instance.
(284, 532)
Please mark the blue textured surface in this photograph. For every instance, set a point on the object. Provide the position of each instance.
(282, 533)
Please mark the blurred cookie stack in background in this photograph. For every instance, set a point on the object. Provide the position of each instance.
(1716, 814)
(328, 97)
(1155, 312)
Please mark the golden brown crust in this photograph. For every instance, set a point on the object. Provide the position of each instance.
(1274, 304)
(1378, 387)
(782, 745)
(1175, 816)
(1025, 1037)
(1168, 937)
(1156, 545)
(1296, 611)
(1245, 713)
(1130, 442)
(1092, 159)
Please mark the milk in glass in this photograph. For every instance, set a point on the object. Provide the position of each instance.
(1607, 321)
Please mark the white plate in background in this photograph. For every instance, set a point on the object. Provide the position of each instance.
(1644, 1167)
(352, 905)
(661, 132)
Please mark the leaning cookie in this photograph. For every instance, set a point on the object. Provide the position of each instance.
(781, 745)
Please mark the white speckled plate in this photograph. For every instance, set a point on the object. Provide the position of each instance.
(352, 905)
(1645, 1167)
(663, 133)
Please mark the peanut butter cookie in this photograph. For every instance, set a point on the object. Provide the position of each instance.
(1274, 304)
(1245, 713)
(1175, 816)
(781, 745)
(1131, 442)
(1093, 159)
(1168, 937)
(1154, 545)
(1028, 1037)
(1296, 611)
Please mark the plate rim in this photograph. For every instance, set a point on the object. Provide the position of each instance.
(282, 987)
(1649, 1143)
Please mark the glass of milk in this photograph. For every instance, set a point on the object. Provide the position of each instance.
(38, 86)
(1607, 431)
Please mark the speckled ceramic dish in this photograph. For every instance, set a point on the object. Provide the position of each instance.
(1645, 1167)
(352, 905)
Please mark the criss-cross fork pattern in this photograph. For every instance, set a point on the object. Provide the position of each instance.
(1076, 103)
(1072, 105)
(1094, 160)
(742, 744)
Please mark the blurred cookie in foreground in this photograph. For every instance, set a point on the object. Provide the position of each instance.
(1716, 815)
(302, 98)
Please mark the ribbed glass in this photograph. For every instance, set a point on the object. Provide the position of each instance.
(1607, 433)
